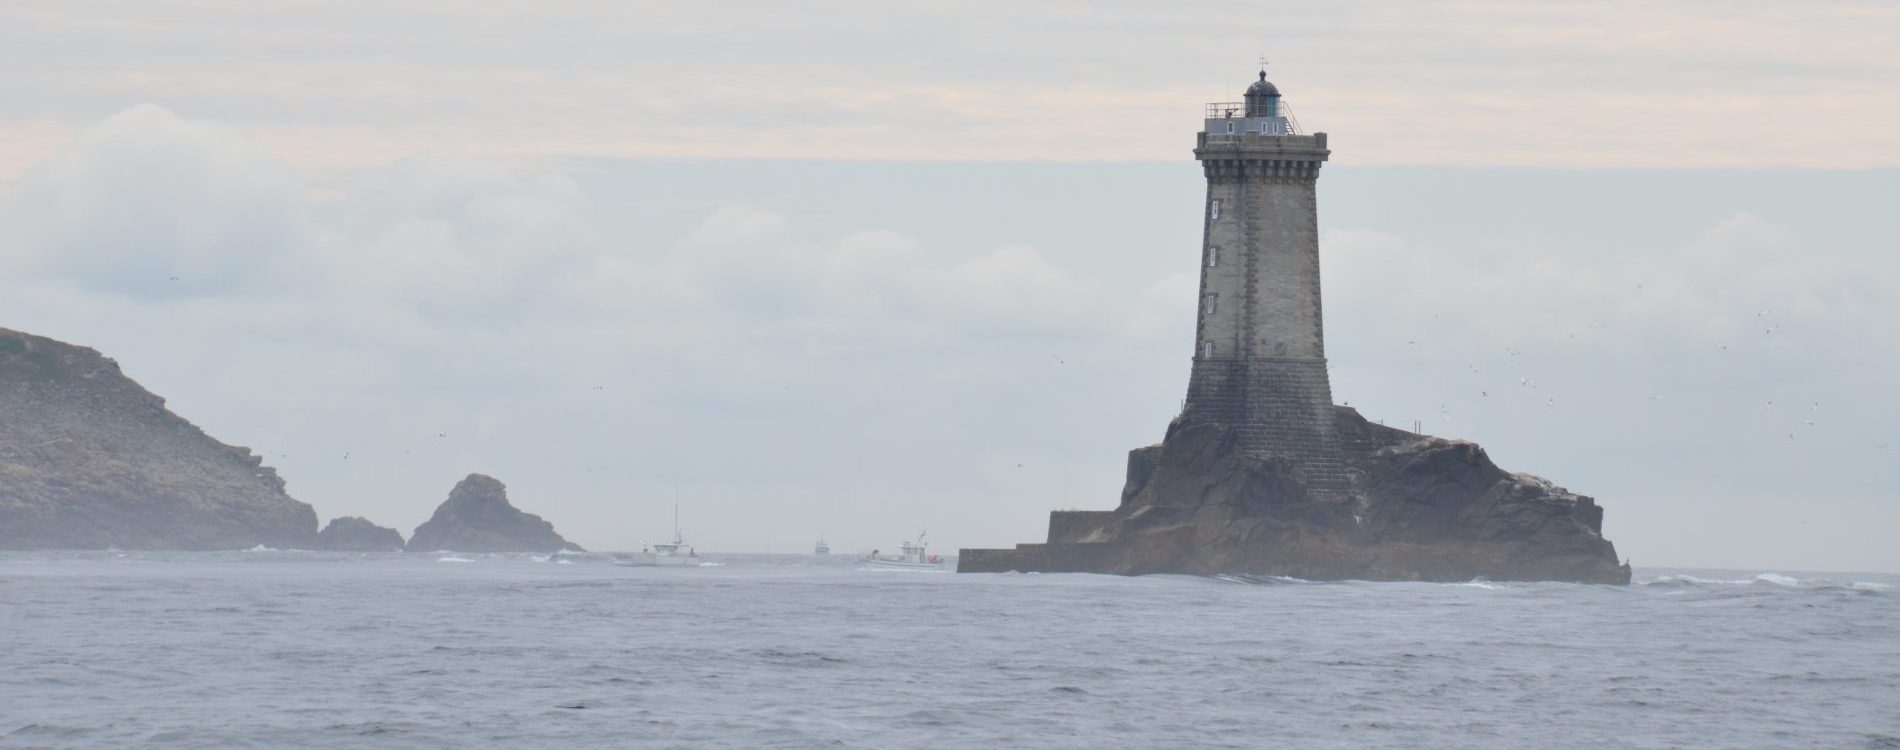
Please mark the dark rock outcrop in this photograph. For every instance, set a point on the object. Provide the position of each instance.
(357, 534)
(91, 460)
(478, 518)
(1421, 508)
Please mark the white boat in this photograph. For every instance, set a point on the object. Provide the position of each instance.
(909, 556)
(822, 548)
(676, 553)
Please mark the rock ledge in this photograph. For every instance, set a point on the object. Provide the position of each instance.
(1422, 508)
(91, 460)
(478, 518)
(357, 534)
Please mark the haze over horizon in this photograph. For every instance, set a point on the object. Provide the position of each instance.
(931, 274)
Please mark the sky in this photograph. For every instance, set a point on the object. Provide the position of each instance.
(864, 269)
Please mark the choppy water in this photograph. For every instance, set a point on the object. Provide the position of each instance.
(280, 649)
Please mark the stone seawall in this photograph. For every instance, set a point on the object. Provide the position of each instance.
(1078, 525)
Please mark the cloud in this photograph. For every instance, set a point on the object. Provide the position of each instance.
(1736, 279)
(451, 235)
(1745, 84)
(146, 196)
(747, 265)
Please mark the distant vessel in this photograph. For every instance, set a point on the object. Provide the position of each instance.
(910, 556)
(676, 553)
(822, 548)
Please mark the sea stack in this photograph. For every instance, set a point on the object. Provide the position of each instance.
(478, 518)
(1260, 473)
(357, 534)
(91, 460)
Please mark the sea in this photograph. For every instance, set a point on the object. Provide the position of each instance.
(281, 649)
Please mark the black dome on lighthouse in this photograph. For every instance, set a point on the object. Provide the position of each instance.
(1262, 87)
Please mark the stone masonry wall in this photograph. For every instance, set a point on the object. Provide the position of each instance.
(1260, 305)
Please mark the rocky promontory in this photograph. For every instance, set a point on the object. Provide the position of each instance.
(357, 534)
(1420, 508)
(478, 518)
(91, 460)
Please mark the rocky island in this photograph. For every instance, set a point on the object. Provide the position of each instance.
(1421, 508)
(91, 460)
(1260, 473)
(358, 534)
(477, 517)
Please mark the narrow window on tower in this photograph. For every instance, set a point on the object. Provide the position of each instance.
(1230, 127)
(1207, 348)
(1216, 211)
(1208, 308)
(1213, 257)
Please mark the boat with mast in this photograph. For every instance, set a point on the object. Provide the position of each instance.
(675, 553)
(910, 555)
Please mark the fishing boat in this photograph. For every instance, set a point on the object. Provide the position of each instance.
(822, 548)
(676, 553)
(909, 555)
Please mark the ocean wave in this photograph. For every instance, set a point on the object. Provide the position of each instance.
(1765, 580)
(454, 559)
(262, 548)
(1253, 580)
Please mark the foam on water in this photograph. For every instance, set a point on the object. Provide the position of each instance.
(455, 559)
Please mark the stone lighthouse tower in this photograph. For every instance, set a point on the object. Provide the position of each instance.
(1261, 474)
(1259, 353)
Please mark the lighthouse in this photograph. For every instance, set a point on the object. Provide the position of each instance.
(1261, 474)
(1259, 345)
